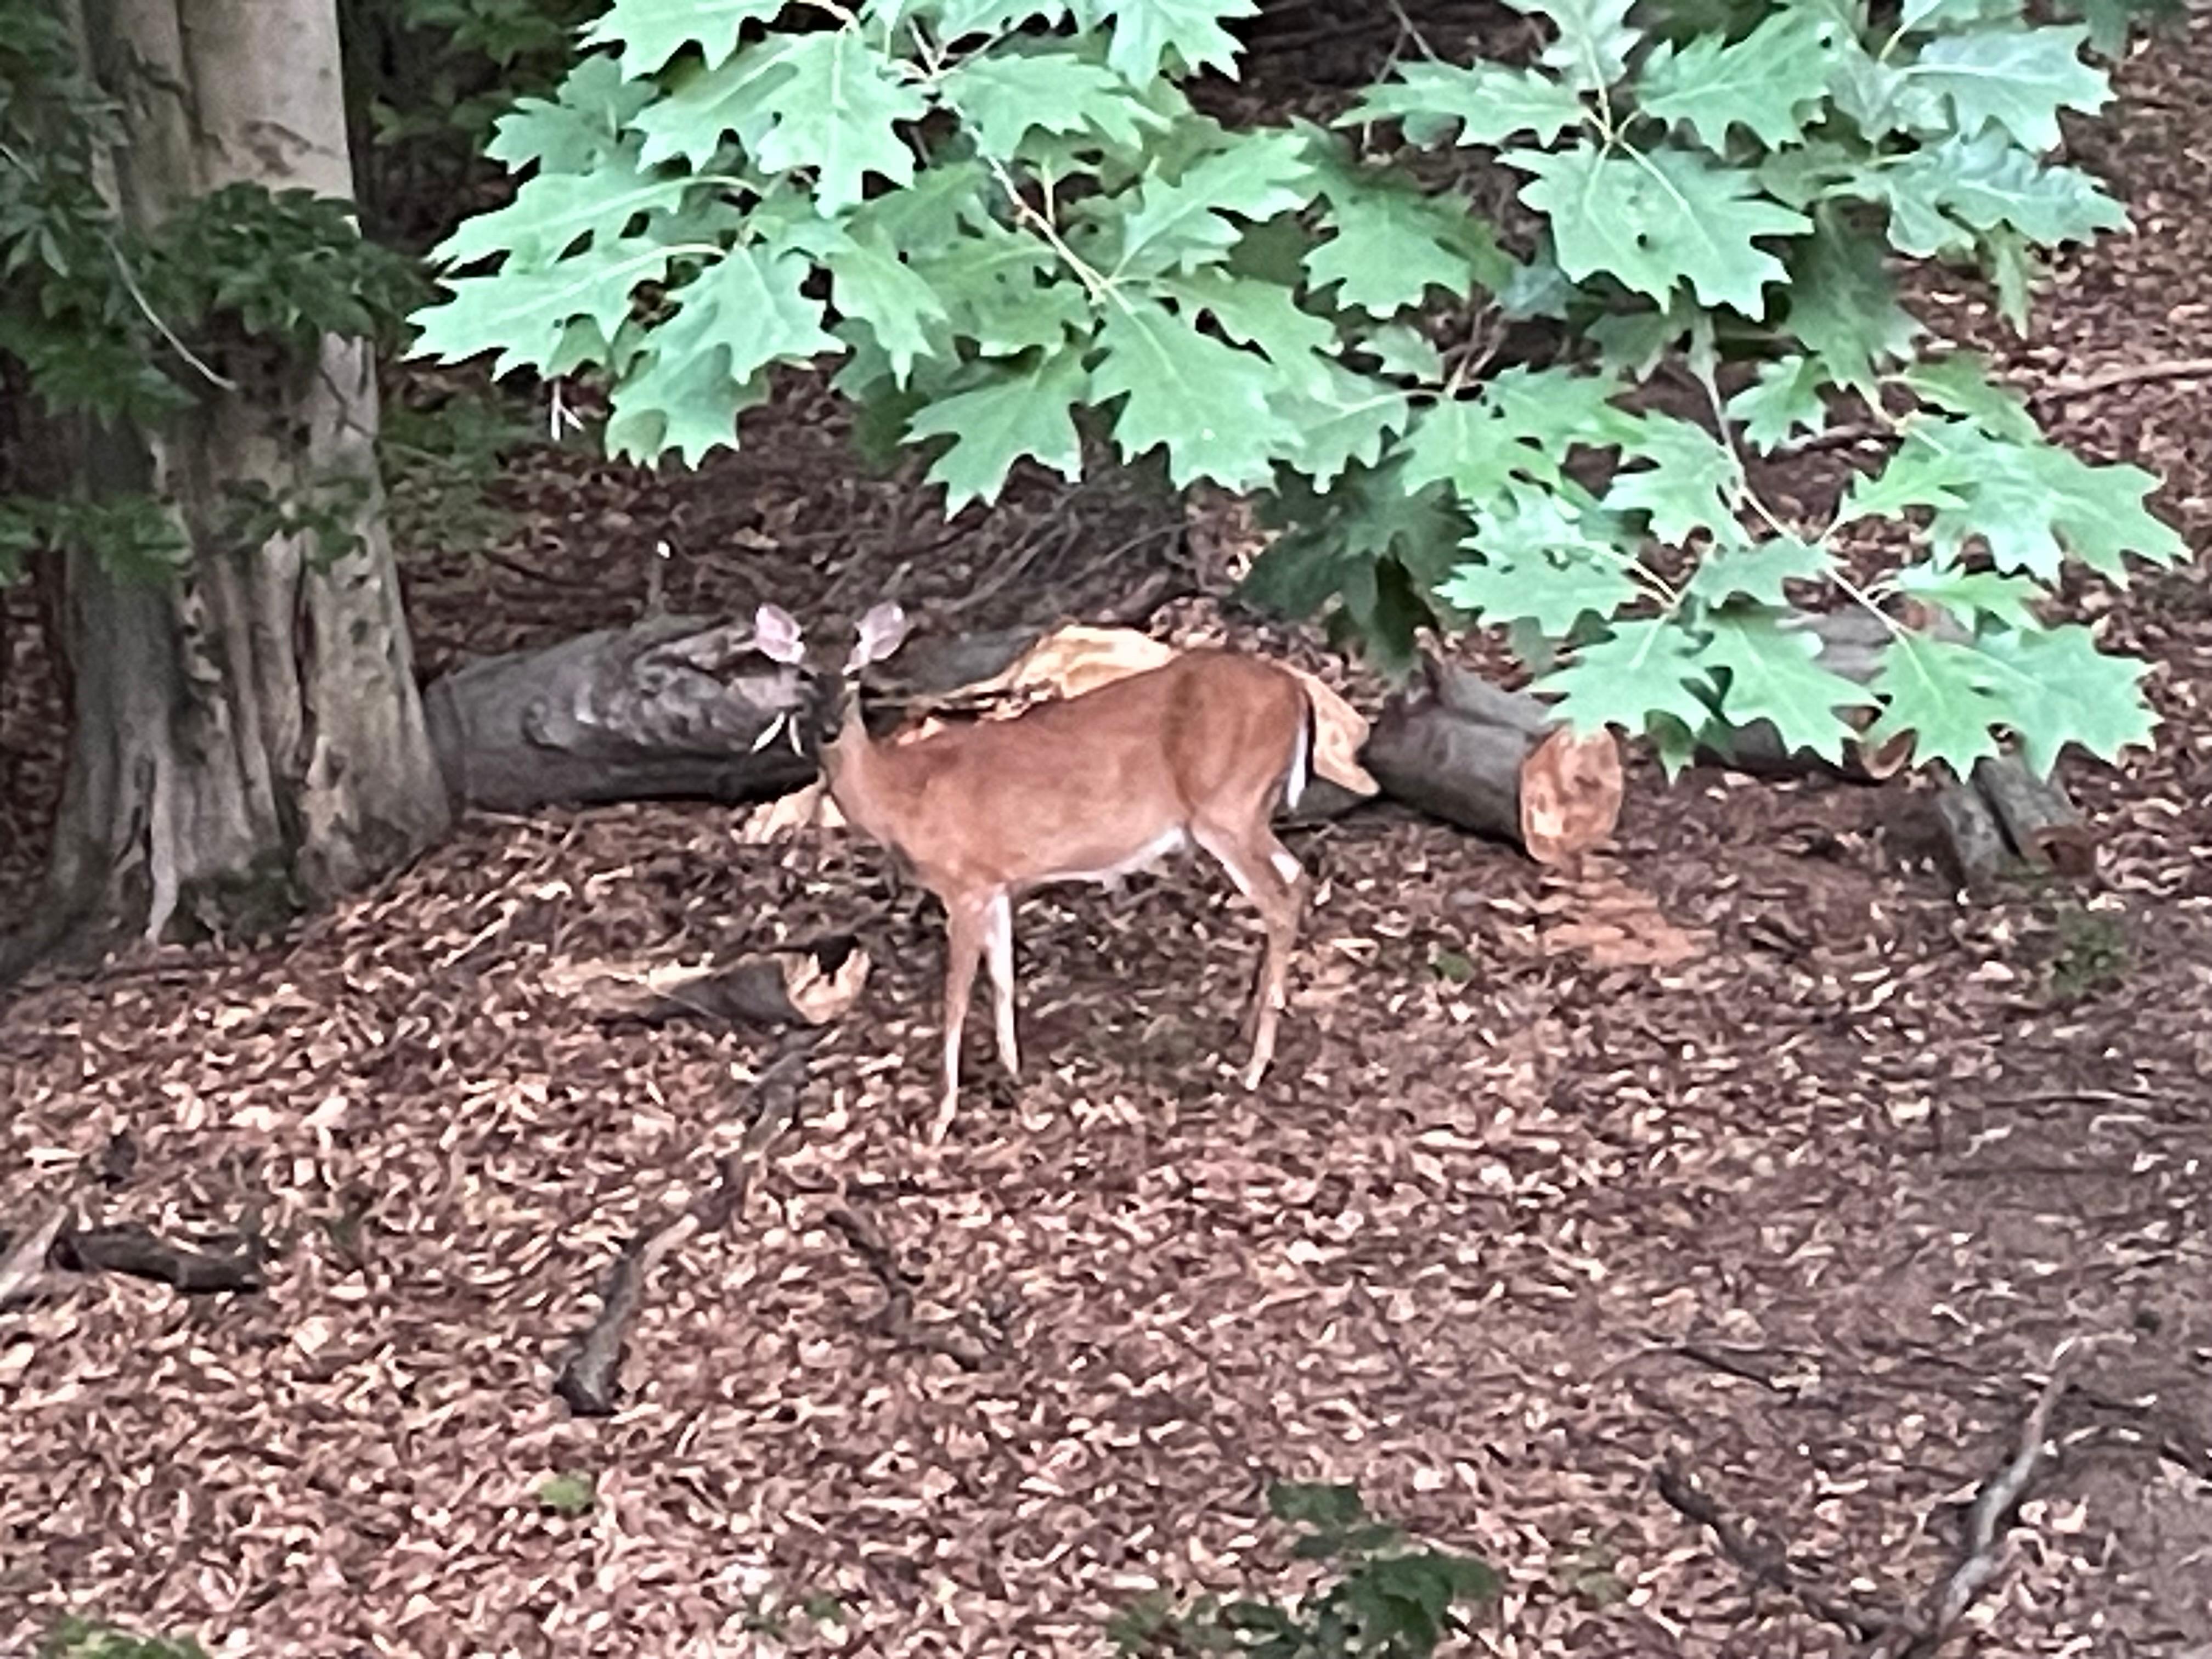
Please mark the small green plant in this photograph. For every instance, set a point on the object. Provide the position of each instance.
(570, 1494)
(1387, 1599)
(2091, 953)
(439, 462)
(86, 1638)
(1452, 967)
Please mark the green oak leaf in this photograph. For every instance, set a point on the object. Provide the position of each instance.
(1647, 666)
(1758, 572)
(1842, 304)
(1941, 195)
(1488, 103)
(1958, 382)
(2012, 267)
(1343, 420)
(1389, 244)
(1402, 350)
(1539, 564)
(1266, 316)
(2016, 79)
(1654, 222)
(1689, 482)
(1784, 400)
(868, 280)
(1005, 96)
(1971, 596)
(1011, 412)
(1186, 223)
(1214, 408)
(2062, 690)
(651, 32)
(1521, 426)
(524, 315)
(734, 98)
(1146, 32)
(1918, 474)
(680, 399)
(998, 285)
(1595, 39)
(837, 110)
(1939, 691)
(1774, 675)
(2031, 503)
(958, 19)
(551, 211)
(1769, 82)
(579, 127)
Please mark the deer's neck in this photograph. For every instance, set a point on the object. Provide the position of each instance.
(856, 769)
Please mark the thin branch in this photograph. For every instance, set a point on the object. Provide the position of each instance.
(1765, 1559)
(2168, 368)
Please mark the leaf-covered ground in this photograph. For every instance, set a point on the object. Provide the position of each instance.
(1802, 1220)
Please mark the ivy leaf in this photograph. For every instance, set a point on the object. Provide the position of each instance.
(1488, 102)
(1758, 572)
(1784, 401)
(2017, 79)
(651, 32)
(1775, 675)
(1147, 31)
(1185, 223)
(1971, 596)
(868, 280)
(1940, 691)
(1594, 42)
(552, 210)
(838, 112)
(1389, 244)
(1004, 97)
(1767, 82)
(1647, 666)
(578, 128)
(2064, 691)
(523, 315)
(1842, 304)
(1654, 222)
(1212, 406)
(1013, 412)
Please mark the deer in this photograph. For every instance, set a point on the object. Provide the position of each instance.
(1199, 751)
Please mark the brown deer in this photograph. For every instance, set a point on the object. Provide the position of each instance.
(1089, 789)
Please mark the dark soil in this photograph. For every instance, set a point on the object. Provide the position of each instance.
(1804, 1219)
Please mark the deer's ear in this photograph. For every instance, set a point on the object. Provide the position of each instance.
(882, 630)
(776, 635)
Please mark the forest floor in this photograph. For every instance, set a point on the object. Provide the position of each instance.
(1799, 1222)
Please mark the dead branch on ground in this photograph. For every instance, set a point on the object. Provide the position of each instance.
(1765, 1559)
(895, 1319)
(589, 1379)
(137, 1251)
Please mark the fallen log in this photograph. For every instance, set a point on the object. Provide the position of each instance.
(2041, 824)
(1495, 762)
(1973, 846)
(809, 984)
(590, 1377)
(668, 708)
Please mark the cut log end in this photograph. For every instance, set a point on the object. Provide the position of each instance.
(1571, 789)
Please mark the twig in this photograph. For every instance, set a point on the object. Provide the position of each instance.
(1999, 1495)
(1766, 1560)
(895, 1319)
(2168, 368)
(588, 1381)
(136, 1251)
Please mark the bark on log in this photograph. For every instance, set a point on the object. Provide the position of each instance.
(2043, 826)
(1973, 845)
(1495, 761)
(671, 707)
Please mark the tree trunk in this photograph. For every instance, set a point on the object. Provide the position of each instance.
(248, 736)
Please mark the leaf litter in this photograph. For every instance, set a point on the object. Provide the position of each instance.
(1803, 1216)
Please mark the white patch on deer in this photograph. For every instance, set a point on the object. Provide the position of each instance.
(1285, 865)
(1167, 842)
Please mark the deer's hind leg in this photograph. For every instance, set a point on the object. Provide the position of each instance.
(1267, 874)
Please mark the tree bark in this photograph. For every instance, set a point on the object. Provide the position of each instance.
(248, 735)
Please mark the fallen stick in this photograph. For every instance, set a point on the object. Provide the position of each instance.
(136, 1251)
(895, 1319)
(2043, 828)
(801, 985)
(1766, 1560)
(590, 1380)
(25, 1263)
